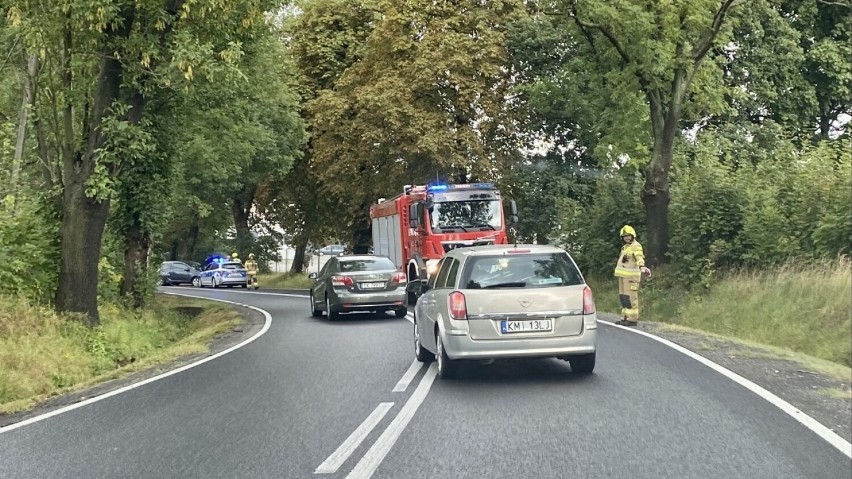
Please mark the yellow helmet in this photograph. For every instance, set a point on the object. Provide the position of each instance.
(627, 230)
(251, 255)
(235, 255)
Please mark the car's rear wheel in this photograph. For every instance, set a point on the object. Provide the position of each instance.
(332, 315)
(314, 311)
(401, 312)
(420, 352)
(196, 281)
(447, 368)
(582, 364)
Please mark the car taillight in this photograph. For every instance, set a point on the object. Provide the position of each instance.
(588, 301)
(399, 278)
(341, 281)
(458, 306)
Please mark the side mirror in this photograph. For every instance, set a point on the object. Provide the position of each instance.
(513, 219)
(418, 287)
(312, 276)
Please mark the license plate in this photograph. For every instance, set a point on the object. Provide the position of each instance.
(372, 285)
(509, 327)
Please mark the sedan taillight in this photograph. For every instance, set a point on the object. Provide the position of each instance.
(399, 278)
(588, 301)
(341, 281)
(457, 306)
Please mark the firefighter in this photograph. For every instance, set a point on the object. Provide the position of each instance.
(251, 270)
(629, 269)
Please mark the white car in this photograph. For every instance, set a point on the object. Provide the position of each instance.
(505, 301)
(227, 274)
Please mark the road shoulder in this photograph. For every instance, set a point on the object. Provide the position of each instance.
(818, 388)
(253, 322)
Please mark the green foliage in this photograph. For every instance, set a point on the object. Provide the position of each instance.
(28, 249)
(590, 232)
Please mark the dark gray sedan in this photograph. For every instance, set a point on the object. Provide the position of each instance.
(358, 283)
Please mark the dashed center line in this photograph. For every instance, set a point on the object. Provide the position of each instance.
(339, 456)
(403, 383)
(380, 449)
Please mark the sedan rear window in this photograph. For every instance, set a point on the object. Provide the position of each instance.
(232, 266)
(520, 271)
(372, 264)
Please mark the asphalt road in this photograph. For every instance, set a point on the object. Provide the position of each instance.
(316, 399)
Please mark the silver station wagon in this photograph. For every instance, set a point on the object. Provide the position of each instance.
(505, 301)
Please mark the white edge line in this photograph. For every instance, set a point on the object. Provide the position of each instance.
(412, 371)
(124, 389)
(377, 452)
(342, 453)
(410, 317)
(821, 430)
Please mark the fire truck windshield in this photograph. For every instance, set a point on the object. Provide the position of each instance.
(474, 215)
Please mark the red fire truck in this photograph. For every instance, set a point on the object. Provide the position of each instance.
(417, 227)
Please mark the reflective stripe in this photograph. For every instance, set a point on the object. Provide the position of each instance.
(627, 273)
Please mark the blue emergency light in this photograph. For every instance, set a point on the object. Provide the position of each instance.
(471, 186)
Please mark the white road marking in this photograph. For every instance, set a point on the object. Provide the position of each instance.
(403, 383)
(339, 456)
(124, 389)
(827, 434)
(371, 460)
(410, 317)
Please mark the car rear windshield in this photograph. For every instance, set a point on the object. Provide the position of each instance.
(232, 266)
(377, 264)
(520, 271)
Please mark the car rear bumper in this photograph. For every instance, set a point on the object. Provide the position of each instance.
(365, 301)
(458, 345)
(233, 280)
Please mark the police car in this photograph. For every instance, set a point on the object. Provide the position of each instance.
(224, 273)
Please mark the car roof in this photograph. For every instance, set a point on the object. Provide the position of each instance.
(506, 249)
(231, 262)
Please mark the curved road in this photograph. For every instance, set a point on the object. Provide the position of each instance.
(313, 399)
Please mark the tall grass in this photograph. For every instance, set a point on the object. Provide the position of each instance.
(801, 307)
(42, 354)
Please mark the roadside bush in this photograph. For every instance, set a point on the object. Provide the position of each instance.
(28, 250)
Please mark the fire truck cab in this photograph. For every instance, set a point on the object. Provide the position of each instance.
(417, 227)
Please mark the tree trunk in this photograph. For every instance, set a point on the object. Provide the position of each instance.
(362, 231)
(136, 248)
(20, 142)
(81, 235)
(84, 218)
(192, 239)
(299, 257)
(241, 208)
(655, 194)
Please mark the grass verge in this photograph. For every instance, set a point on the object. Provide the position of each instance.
(43, 354)
(284, 280)
(804, 308)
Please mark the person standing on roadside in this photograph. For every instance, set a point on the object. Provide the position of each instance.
(629, 270)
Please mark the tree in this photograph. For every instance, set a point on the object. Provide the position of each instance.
(657, 53)
(325, 40)
(106, 59)
(428, 98)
